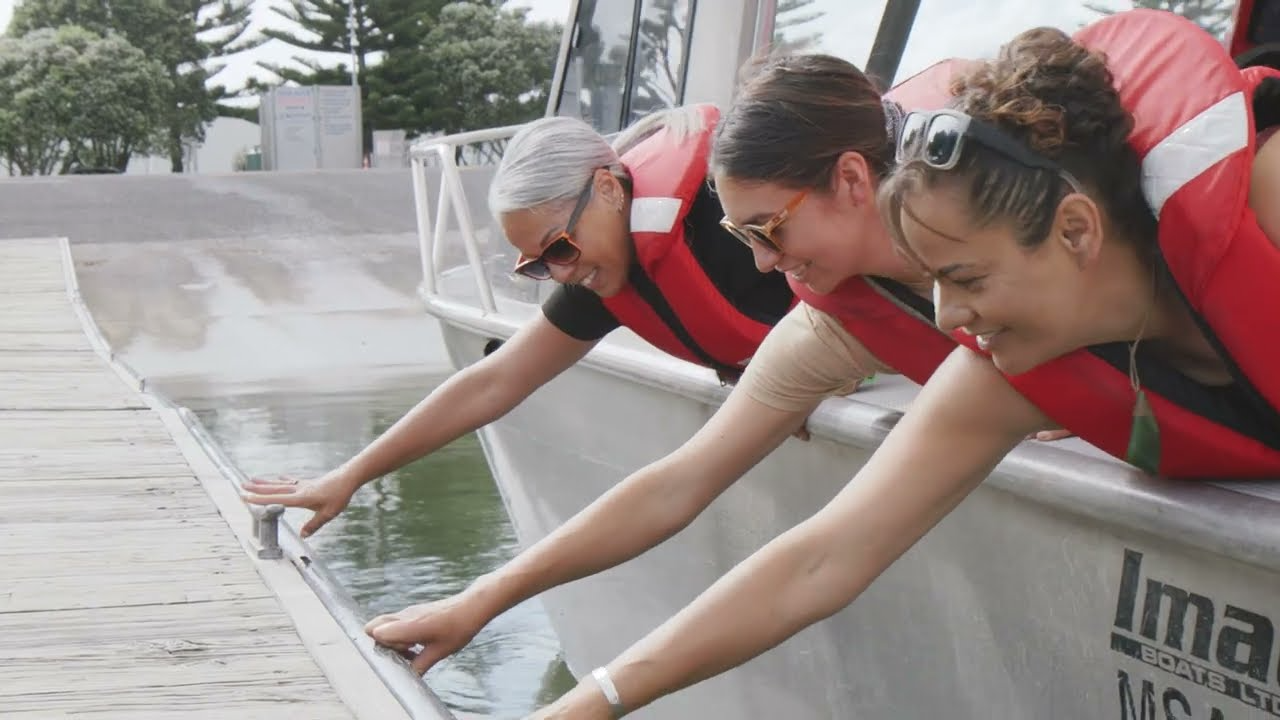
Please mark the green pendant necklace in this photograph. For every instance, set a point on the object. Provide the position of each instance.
(1144, 433)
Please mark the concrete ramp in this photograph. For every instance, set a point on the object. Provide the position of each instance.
(243, 278)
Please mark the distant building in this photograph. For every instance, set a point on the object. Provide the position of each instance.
(390, 149)
(226, 140)
(312, 127)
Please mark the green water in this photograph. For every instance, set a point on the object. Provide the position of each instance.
(419, 534)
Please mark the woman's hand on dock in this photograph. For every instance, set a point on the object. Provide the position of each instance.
(326, 497)
(441, 628)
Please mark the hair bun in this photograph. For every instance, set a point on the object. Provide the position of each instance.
(1047, 90)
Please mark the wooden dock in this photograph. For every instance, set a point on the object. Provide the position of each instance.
(128, 588)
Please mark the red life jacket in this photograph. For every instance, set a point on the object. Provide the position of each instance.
(877, 312)
(666, 175)
(1195, 134)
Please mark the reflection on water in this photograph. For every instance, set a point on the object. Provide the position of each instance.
(417, 535)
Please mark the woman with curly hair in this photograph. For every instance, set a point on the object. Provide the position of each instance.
(1028, 211)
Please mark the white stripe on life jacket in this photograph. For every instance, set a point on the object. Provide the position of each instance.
(1198, 145)
(654, 214)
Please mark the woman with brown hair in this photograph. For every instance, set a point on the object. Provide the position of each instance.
(1041, 242)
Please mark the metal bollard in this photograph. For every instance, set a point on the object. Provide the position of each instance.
(266, 528)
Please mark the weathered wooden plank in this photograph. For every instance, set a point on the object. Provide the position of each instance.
(177, 647)
(59, 428)
(243, 700)
(141, 453)
(43, 342)
(38, 320)
(96, 534)
(88, 554)
(24, 265)
(22, 279)
(103, 438)
(38, 313)
(94, 457)
(57, 510)
(65, 471)
(18, 300)
(49, 391)
(157, 670)
(116, 498)
(112, 532)
(55, 397)
(122, 694)
(217, 566)
(192, 708)
(51, 362)
(68, 593)
(33, 453)
(141, 622)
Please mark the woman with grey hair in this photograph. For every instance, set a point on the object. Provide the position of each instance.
(632, 233)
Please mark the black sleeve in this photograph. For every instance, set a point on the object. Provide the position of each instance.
(764, 297)
(579, 313)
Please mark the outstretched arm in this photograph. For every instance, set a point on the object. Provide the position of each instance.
(635, 515)
(958, 429)
(791, 373)
(472, 397)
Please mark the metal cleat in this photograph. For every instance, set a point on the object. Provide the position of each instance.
(266, 528)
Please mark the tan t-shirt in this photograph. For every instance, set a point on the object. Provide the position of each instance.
(807, 356)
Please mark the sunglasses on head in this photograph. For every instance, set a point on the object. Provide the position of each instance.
(560, 251)
(749, 233)
(937, 138)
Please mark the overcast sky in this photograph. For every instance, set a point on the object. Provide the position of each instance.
(944, 28)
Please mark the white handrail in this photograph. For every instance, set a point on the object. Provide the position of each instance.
(418, 170)
(428, 145)
(450, 203)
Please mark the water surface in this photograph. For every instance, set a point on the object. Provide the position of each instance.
(416, 535)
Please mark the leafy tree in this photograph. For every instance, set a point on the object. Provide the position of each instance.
(476, 66)
(1212, 15)
(69, 96)
(367, 27)
(187, 37)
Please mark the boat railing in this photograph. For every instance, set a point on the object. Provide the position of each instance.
(443, 159)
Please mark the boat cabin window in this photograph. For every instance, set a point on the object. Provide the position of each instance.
(657, 81)
(946, 29)
(626, 60)
(978, 29)
(832, 27)
(595, 74)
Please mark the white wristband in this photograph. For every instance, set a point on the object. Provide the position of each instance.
(601, 676)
